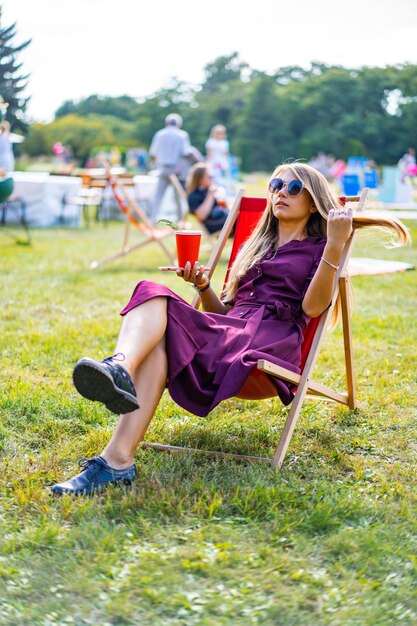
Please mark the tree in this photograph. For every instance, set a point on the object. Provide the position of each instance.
(223, 70)
(12, 83)
(151, 112)
(123, 107)
(266, 134)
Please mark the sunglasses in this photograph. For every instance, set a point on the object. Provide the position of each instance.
(294, 187)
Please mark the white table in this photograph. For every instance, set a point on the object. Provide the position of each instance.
(44, 195)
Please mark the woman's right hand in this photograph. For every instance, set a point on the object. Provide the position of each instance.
(196, 275)
(339, 226)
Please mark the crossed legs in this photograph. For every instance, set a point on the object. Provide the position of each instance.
(142, 342)
(138, 368)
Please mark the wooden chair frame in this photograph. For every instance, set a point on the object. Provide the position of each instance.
(137, 217)
(304, 383)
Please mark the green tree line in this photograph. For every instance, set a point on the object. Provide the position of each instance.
(292, 113)
(12, 82)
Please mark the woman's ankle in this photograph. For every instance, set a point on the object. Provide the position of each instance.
(121, 359)
(117, 461)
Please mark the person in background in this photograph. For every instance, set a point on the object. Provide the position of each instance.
(186, 162)
(406, 164)
(169, 145)
(202, 201)
(6, 149)
(217, 150)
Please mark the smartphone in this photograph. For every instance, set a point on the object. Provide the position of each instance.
(165, 268)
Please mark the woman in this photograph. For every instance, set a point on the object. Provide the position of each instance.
(202, 200)
(217, 150)
(283, 275)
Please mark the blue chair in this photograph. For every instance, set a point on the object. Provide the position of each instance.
(351, 184)
(371, 180)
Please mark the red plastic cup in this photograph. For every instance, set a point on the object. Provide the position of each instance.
(188, 246)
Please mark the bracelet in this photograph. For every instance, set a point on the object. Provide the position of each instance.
(203, 287)
(335, 267)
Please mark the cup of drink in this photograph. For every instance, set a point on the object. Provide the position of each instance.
(221, 196)
(188, 246)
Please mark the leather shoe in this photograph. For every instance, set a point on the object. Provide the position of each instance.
(106, 382)
(96, 476)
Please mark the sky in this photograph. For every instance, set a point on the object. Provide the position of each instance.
(134, 47)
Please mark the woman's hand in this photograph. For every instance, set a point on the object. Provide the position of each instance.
(339, 226)
(195, 275)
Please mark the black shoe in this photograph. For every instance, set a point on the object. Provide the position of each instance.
(96, 476)
(106, 382)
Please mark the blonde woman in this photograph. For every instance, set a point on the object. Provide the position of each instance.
(283, 275)
(217, 150)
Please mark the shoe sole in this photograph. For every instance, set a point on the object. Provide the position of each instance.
(124, 482)
(93, 382)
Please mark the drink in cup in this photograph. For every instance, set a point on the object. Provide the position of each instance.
(188, 246)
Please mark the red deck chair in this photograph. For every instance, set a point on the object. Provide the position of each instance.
(246, 213)
(136, 217)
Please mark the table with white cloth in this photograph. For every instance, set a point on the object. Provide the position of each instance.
(45, 195)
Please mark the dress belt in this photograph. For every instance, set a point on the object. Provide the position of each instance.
(281, 310)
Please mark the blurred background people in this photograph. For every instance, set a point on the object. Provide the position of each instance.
(204, 199)
(323, 163)
(6, 149)
(406, 165)
(169, 145)
(217, 151)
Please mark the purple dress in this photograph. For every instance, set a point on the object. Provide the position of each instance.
(210, 356)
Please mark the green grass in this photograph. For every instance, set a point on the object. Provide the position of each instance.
(330, 540)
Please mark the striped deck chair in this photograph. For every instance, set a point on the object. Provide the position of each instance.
(122, 187)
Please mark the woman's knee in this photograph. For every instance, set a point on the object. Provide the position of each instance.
(154, 307)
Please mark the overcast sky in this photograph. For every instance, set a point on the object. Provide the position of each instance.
(115, 47)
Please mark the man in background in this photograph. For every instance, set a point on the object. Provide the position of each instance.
(169, 146)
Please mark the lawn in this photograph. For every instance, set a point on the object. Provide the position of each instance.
(330, 540)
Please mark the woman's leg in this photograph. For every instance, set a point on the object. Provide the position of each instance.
(150, 380)
(115, 465)
(142, 329)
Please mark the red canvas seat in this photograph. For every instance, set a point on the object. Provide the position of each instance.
(246, 213)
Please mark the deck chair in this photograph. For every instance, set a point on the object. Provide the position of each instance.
(136, 217)
(246, 213)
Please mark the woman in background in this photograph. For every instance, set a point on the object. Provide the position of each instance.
(203, 199)
(217, 150)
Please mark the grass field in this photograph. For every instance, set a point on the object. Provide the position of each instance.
(330, 540)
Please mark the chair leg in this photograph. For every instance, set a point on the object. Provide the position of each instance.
(348, 342)
(287, 433)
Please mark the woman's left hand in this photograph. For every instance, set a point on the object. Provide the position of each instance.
(339, 226)
(194, 275)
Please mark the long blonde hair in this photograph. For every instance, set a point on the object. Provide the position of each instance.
(266, 232)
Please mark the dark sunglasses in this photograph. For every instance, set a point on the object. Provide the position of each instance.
(294, 187)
